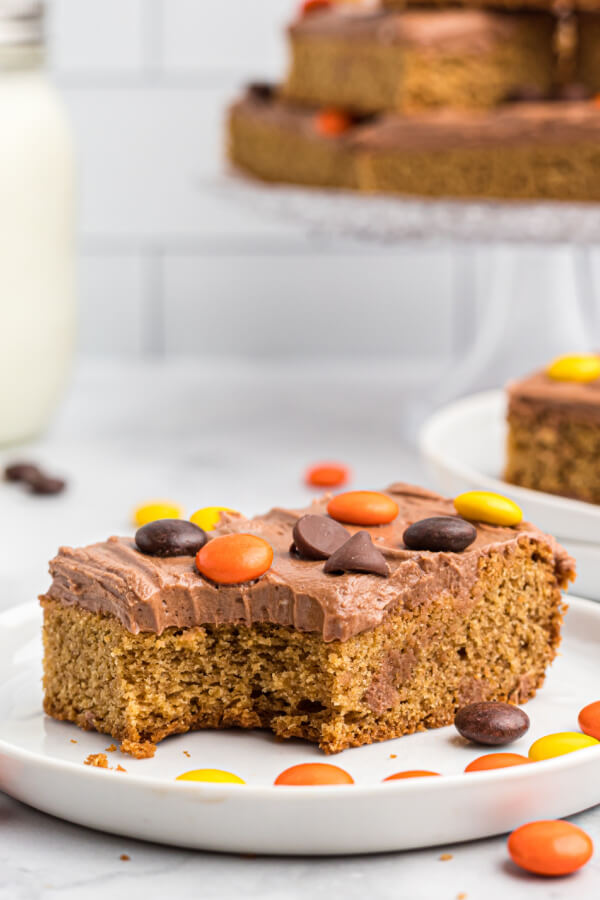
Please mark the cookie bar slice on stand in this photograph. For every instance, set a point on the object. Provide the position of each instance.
(418, 59)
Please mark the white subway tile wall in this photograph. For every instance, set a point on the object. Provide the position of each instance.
(168, 266)
(172, 266)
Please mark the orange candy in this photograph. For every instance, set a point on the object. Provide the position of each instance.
(550, 847)
(327, 474)
(314, 773)
(234, 558)
(363, 508)
(311, 6)
(410, 773)
(589, 719)
(332, 122)
(496, 761)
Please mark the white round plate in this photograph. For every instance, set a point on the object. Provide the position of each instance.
(41, 764)
(465, 445)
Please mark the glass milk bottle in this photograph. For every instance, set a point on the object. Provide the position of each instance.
(37, 255)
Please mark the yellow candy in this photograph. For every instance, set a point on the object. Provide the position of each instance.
(157, 509)
(209, 516)
(581, 367)
(484, 506)
(557, 744)
(216, 776)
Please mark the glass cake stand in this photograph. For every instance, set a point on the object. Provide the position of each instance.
(523, 273)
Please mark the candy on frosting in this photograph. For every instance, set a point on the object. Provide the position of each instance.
(148, 593)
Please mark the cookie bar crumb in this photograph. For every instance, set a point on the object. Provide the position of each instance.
(138, 749)
(99, 760)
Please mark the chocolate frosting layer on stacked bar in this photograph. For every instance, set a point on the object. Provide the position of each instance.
(539, 393)
(151, 594)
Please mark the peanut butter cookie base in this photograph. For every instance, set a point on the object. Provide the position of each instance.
(524, 151)
(410, 673)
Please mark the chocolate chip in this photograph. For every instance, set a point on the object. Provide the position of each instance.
(170, 537)
(440, 534)
(44, 485)
(358, 554)
(317, 537)
(261, 90)
(573, 92)
(526, 93)
(491, 723)
(21, 471)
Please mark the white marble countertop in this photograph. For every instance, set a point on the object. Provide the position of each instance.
(239, 439)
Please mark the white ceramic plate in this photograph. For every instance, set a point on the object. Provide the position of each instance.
(41, 763)
(465, 445)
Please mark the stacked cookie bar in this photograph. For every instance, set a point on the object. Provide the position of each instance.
(458, 101)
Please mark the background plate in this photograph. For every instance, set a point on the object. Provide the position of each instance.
(465, 442)
(41, 763)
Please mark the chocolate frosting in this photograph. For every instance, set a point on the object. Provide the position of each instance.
(572, 400)
(148, 593)
(464, 31)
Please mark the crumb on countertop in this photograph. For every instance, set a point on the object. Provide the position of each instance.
(393, 756)
(111, 748)
(120, 768)
(185, 753)
(461, 896)
(97, 759)
(138, 749)
(73, 741)
(445, 857)
(124, 857)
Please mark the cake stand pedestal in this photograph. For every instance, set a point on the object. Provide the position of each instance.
(523, 282)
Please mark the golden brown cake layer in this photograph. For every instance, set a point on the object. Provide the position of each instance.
(280, 143)
(418, 59)
(553, 442)
(519, 151)
(149, 593)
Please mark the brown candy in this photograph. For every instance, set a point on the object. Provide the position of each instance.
(440, 534)
(170, 537)
(32, 477)
(493, 724)
(261, 90)
(358, 554)
(44, 485)
(21, 471)
(317, 537)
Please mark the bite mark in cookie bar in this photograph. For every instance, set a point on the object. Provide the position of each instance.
(553, 440)
(418, 59)
(141, 647)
